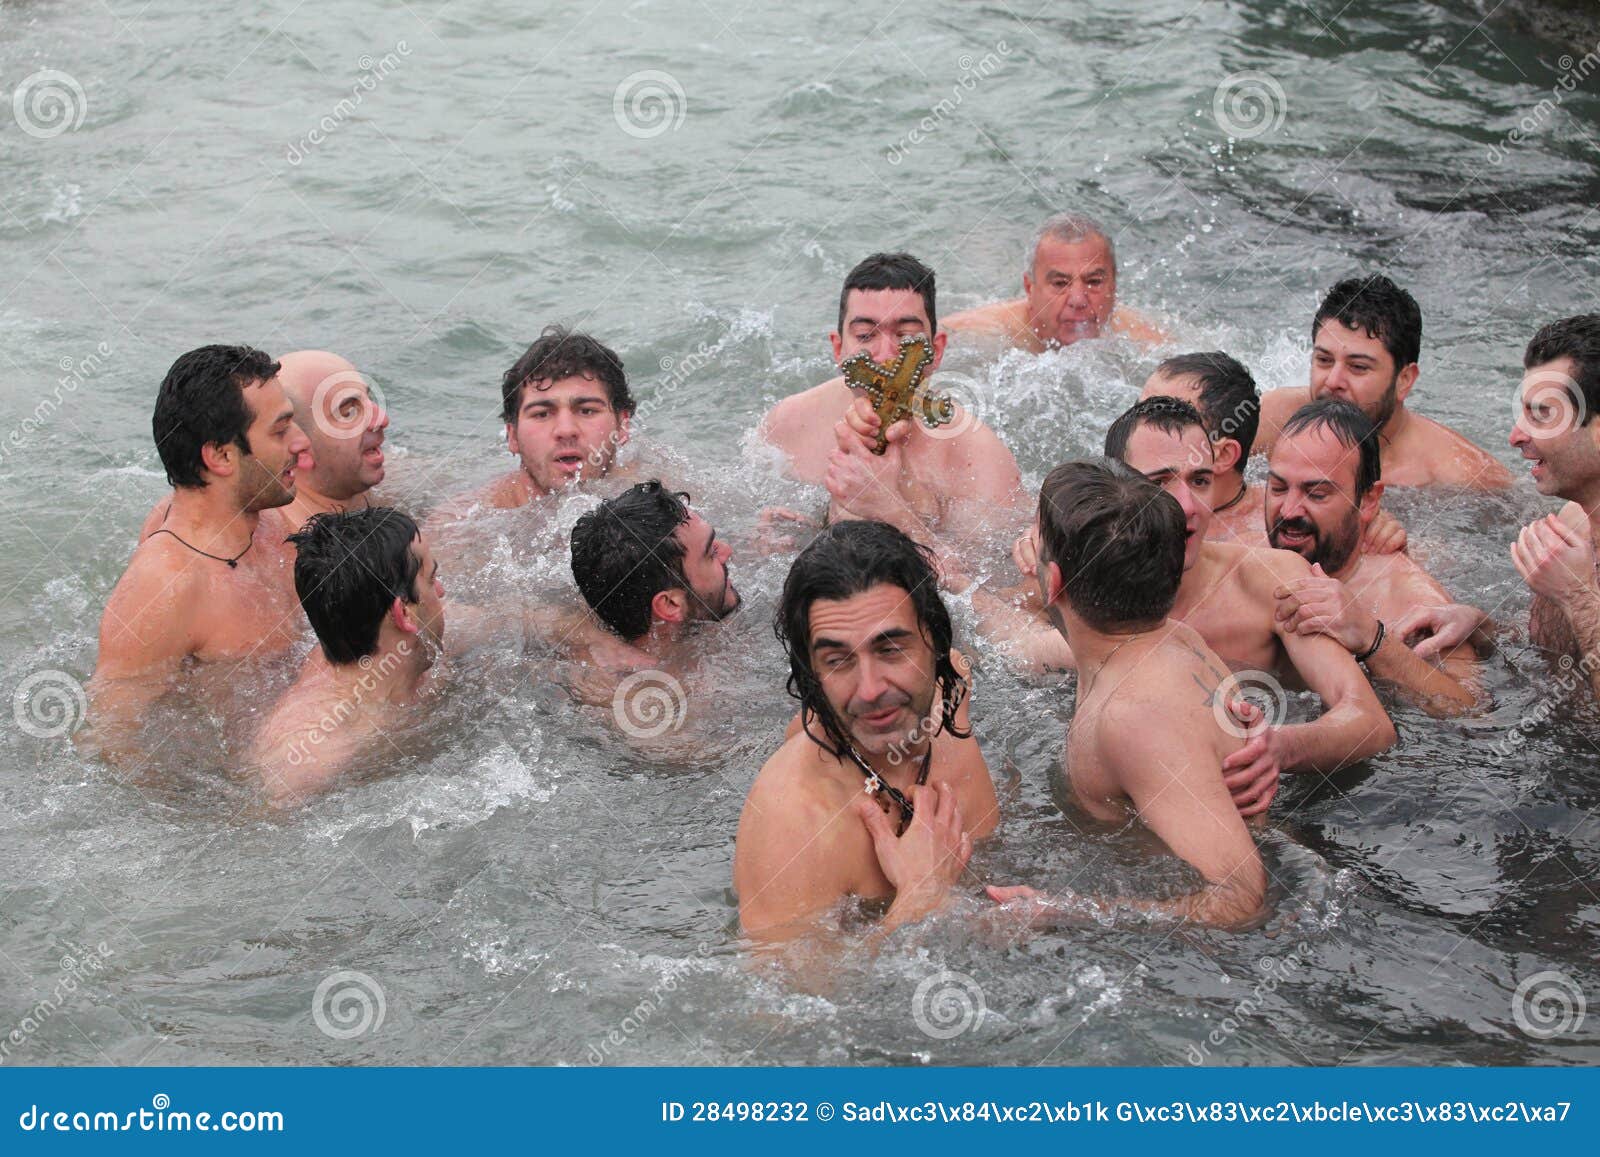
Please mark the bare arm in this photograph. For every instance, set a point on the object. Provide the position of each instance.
(144, 635)
(1276, 407)
(1038, 645)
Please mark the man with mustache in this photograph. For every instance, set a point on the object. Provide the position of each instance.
(650, 567)
(1228, 595)
(1366, 338)
(1556, 432)
(1323, 488)
(879, 788)
(1069, 292)
(212, 581)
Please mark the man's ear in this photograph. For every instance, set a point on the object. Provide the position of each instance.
(836, 340)
(1370, 501)
(670, 606)
(1226, 452)
(1053, 582)
(940, 339)
(1406, 379)
(511, 439)
(622, 429)
(1027, 285)
(400, 614)
(221, 458)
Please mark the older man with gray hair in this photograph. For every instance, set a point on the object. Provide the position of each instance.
(1069, 292)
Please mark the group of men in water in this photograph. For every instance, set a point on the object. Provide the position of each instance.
(1158, 572)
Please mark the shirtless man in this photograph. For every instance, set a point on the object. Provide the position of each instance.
(1069, 292)
(1323, 488)
(1365, 341)
(1228, 595)
(1557, 432)
(566, 406)
(334, 408)
(650, 568)
(1150, 715)
(883, 704)
(945, 482)
(371, 589)
(213, 581)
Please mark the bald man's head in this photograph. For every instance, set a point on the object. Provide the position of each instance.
(336, 408)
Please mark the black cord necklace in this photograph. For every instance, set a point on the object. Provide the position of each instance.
(875, 783)
(1244, 488)
(232, 562)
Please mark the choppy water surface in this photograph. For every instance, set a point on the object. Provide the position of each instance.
(523, 887)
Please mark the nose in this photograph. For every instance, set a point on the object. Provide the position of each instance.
(871, 683)
(1291, 506)
(566, 423)
(379, 418)
(1519, 434)
(298, 442)
(884, 347)
(1186, 499)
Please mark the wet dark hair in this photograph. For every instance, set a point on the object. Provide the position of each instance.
(1169, 415)
(1347, 423)
(1118, 539)
(1229, 402)
(1577, 338)
(559, 353)
(845, 560)
(892, 271)
(1379, 308)
(349, 567)
(625, 551)
(201, 403)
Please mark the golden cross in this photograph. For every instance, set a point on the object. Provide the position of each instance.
(894, 388)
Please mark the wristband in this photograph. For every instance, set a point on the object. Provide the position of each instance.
(1376, 643)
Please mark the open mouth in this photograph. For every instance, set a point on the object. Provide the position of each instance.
(571, 463)
(373, 456)
(1292, 537)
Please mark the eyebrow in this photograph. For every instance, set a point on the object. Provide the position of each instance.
(1100, 269)
(587, 399)
(893, 634)
(711, 542)
(908, 319)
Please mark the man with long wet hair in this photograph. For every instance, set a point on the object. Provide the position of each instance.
(879, 787)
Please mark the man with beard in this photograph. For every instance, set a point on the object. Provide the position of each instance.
(334, 408)
(650, 567)
(1365, 341)
(1150, 731)
(566, 406)
(883, 707)
(371, 588)
(1069, 292)
(945, 483)
(1558, 434)
(212, 582)
(1323, 487)
(1228, 595)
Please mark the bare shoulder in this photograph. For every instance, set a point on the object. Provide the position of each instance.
(996, 317)
(792, 415)
(1455, 460)
(1136, 326)
(1276, 408)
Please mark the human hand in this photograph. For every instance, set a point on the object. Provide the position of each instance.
(1322, 605)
